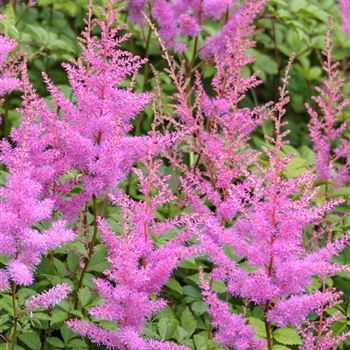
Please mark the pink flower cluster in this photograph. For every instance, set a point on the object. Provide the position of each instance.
(182, 19)
(8, 82)
(345, 12)
(237, 206)
(138, 269)
(325, 127)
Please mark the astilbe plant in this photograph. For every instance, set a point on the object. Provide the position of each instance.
(181, 19)
(139, 268)
(318, 335)
(8, 81)
(23, 206)
(268, 235)
(218, 125)
(90, 136)
(325, 126)
(219, 129)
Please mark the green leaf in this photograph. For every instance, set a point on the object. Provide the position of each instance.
(56, 342)
(67, 334)
(280, 347)
(199, 307)
(60, 267)
(295, 167)
(192, 294)
(58, 316)
(287, 336)
(167, 327)
(77, 344)
(175, 285)
(219, 287)
(259, 327)
(73, 262)
(180, 334)
(32, 340)
(201, 340)
(84, 296)
(98, 261)
(265, 64)
(188, 321)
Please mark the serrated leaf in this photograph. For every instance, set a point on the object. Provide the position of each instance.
(58, 316)
(60, 267)
(98, 261)
(199, 307)
(287, 336)
(84, 296)
(188, 321)
(180, 334)
(166, 327)
(32, 340)
(67, 334)
(175, 285)
(259, 327)
(73, 262)
(77, 343)
(201, 340)
(54, 341)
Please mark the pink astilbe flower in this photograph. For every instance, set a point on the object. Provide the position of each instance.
(317, 335)
(271, 213)
(91, 135)
(344, 6)
(238, 25)
(220, 129)
(22, 205)
(231, 329)
(325, 127)
(342, 152)
(126, 337)
(48, 298)
(292, 312)
(135, 8)
(138, 269)
(179, 20)
(8, 82)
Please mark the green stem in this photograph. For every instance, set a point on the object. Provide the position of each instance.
(268, 335)
(268, 328)
(90, 251)
(15, 317)
(194, 54)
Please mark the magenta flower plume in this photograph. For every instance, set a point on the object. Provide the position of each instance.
(324, 127)
(261, 216)
(91, 136)
(8, 82)
(126, 337)
(179, 20)
(238, 25)
(48, 298)
(318, 335)
(231, 329)
(293, 311)
(344, 6)
(22, 204)
(138, 269)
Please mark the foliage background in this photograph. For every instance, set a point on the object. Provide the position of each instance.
(47, 34)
